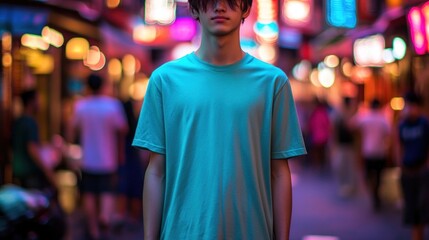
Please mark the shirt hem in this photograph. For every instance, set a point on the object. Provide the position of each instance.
(289, 153)
(149, 146)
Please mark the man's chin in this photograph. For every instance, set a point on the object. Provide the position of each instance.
(221, 33)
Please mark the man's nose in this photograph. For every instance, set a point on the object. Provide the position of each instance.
(219, 5)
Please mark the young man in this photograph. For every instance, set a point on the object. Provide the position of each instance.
(221, 125)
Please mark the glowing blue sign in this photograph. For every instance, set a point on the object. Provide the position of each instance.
(341, 13)
(266, 29)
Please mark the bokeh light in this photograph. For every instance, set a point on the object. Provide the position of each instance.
(144, 33)
(399, 48)
(93, 56)
(7, 60)
(331, 61)
(77, 48)
(326, 77)
(267, 53)
(397, 103)
(301, 71)
(182, 49)
(112, 3)
(114, 68)
(52, 37)
(137, 90)
(6, 41)
(34, 42)
(314, 77)
(296, 10)
(347, 69)
(129, 64)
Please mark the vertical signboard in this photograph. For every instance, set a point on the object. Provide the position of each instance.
(341, 13)
(418, 21)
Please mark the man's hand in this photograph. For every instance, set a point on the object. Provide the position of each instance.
(282, 197)
(153, 196)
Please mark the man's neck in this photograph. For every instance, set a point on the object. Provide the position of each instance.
(220, 50)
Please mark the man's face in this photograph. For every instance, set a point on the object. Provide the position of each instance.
(220, 19)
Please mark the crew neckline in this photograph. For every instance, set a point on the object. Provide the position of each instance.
(245, 59)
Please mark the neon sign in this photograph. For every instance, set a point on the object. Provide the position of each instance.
(418, 20)
(341, 13)
(297, 11)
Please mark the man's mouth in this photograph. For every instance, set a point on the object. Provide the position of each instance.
(219, 18)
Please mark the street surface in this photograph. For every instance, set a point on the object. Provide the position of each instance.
(319, 212)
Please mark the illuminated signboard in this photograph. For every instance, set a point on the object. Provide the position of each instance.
(368, 51)
(418, 20)
(183, 29)
(266, 26)
(297, 12)
(394, 3)
(341, 13)
(266, 29)
(160, 11)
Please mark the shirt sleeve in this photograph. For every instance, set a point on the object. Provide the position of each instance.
(150, 131)
(287, 140)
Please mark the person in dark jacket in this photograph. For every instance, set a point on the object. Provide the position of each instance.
(28, 168)
(413, 138)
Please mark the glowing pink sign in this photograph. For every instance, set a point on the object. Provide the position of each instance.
(418, 20)
(183, 29)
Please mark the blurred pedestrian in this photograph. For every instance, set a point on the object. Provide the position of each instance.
(319, 130)
(130, 175)
(413, 139)
(100, 122)
(375, 144)
(344, 155)
(28, 167)
(221, 125)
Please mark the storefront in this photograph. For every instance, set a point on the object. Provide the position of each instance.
(32, 40)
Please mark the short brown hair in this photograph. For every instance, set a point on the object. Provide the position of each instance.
(197, 5)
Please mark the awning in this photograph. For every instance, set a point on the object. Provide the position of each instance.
(19, 20)
(117, 43)
(339, 41)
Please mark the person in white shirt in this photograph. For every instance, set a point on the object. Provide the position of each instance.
(100, 122)
(375, 132)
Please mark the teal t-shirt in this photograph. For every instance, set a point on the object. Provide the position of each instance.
(219, 128)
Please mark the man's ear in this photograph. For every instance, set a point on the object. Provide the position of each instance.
(195, 15)
(246, 13)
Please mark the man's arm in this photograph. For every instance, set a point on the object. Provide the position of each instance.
(282, 197)
(153, 196)
(34, 151)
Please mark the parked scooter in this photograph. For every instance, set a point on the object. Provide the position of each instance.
(30, 214)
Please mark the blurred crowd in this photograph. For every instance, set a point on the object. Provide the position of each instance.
(96, 150)
(353, 141)
(358, 142)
